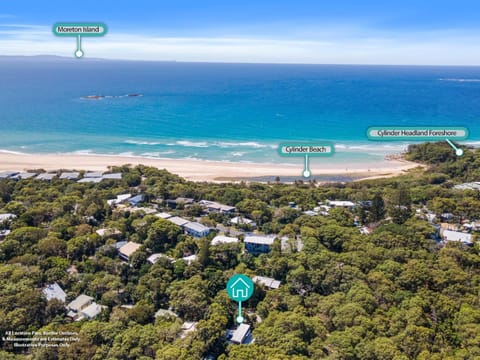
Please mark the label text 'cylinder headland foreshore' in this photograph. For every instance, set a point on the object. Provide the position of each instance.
(438, 133)
(79, 29)
(313, 149)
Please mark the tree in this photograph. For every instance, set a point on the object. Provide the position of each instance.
(377, 209)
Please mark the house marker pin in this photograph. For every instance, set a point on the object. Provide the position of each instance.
(240, 288)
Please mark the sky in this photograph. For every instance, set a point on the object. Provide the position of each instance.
(410, 32)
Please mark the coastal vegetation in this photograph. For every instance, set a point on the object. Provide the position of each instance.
(372, 281)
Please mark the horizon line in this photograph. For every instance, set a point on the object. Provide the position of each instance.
(231, 62)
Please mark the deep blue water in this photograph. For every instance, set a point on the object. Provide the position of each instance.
(230, 112)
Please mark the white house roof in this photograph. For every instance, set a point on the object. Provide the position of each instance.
(89, 180)
(163, 215)
(155, 257)
(54, 291)
(240, 220)
(7, 216)
(261, 240)
(341, 203)
(216, 206)
(240, 333)
(450, 235)
(267, 282)
(70, 175)
(178, 220)
(7, 174)
(165, 312)
(45, 176)
(80, 302)
(26, 175)
(222, 239)
(119, 199)
(114, 176)
(93, 174)
(195, 226)
(92, 310)
(107, 232)
(129, 248)
(189, 259)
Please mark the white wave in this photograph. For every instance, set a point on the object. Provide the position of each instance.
(459, 80)
(192, 143)
(157, 153)
(237, 153)
(139, 142)
(82, 152)
(127, 154)
(4, 151)
(252, 144)
(370, 147)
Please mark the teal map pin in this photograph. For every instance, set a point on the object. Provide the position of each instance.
(240, 288)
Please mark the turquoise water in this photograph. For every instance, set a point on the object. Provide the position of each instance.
(226, 112)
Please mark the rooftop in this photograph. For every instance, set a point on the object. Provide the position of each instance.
(129, 248)
(258, 239)
(222, 239)
(178, 220)
(267, 282)
(80, 302)
(195, 226)
(240, 333)
(54, 291)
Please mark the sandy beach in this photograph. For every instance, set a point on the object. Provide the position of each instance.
(198, 170)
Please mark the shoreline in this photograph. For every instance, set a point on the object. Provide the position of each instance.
(203, 170)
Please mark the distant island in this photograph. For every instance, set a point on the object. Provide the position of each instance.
(99, 97)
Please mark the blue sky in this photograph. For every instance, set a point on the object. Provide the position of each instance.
(301, 31)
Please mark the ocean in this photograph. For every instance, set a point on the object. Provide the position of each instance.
(224, 112)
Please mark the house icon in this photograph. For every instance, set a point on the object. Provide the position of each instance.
(240, 287)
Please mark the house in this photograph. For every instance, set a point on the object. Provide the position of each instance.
(8, 174)
(450, 235)
(89, 180)
(163, 215)
(119, 199)
(91, 311)
(267, 282)
(344, 204)
(240, 334)
(4, 233)
(45, 176)
(310, 213)
(152, 259)
(25, 175)
(189, 259)
(7, 217)
(114, 176)
(165, 313)
(178, 221)
(173, 203)
(468, 186)
(212, 206)
(93, 174)
(256, 244)
(188, 327)
(127, 250)
(70, 175)
(76, 306)
(108, 232)
(196, 229)
(134, 201)
(54, 291)
(222, 239)
(240, 220)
